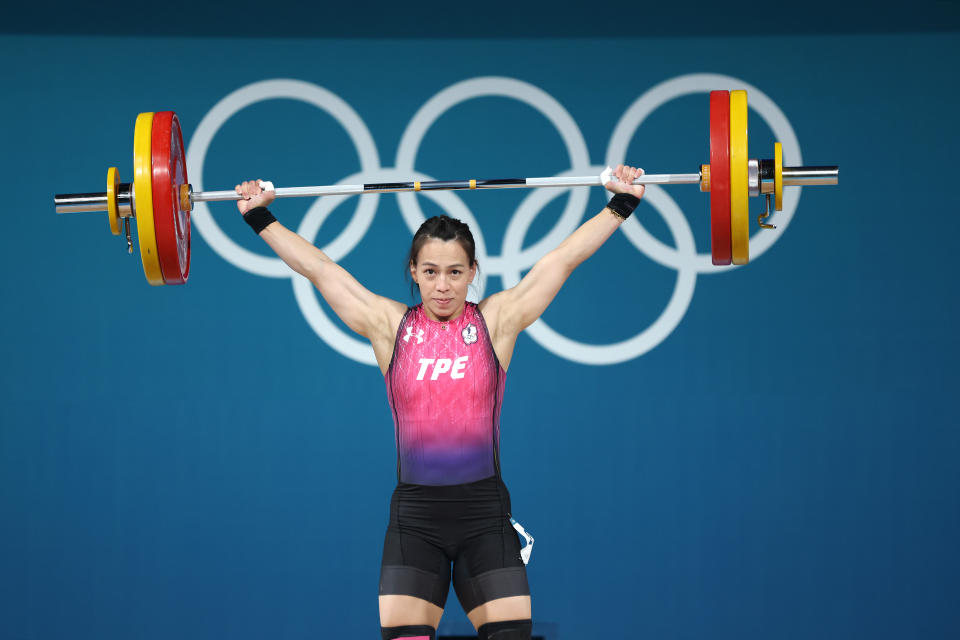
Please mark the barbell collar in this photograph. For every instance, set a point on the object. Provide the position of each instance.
(753, 177)
(767, 177)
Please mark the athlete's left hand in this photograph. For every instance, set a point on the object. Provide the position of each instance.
(622, 181)
(252, 195)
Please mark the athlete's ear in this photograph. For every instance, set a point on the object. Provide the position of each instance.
(473, 272)
(413, 272)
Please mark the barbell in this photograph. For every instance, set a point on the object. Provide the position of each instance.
(160, 197)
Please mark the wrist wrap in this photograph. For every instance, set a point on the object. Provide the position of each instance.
(623, 204)
(258, 218)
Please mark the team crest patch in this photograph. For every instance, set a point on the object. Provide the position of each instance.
(469, 334)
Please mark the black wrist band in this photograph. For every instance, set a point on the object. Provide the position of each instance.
(258, 218)
(623, 205)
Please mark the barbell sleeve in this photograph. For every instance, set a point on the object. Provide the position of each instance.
(810, 176)
(80, 202)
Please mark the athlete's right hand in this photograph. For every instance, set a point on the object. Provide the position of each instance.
(253, 196)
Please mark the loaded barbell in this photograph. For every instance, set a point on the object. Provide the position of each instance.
(160, 197)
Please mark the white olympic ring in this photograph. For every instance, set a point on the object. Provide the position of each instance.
(258, 92)
(514, 258)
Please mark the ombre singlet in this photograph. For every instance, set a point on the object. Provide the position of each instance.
(445, 388)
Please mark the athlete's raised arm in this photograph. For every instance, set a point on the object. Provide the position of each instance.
(511, 311)
(372, 316)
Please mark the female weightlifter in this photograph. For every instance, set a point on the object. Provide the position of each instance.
(445, 362)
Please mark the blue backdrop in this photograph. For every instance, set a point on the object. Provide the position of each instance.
(771, 452)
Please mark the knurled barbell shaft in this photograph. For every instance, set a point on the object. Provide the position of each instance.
(447, 185)
(792, 176)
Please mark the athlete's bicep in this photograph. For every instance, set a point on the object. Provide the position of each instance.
(384, 342)
(522, 304)
(365, 312)
(503, 335)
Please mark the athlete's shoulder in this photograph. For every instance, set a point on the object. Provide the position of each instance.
(489, 310)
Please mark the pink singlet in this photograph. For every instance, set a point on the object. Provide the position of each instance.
(445, 387)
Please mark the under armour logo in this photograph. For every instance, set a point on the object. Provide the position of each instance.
(409, 335)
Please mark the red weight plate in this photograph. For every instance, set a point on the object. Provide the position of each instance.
(720, 241)
(171, 221)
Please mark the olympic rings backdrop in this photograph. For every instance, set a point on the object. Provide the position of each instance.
(757, 452)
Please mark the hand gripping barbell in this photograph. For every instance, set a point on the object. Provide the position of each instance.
(160, 197)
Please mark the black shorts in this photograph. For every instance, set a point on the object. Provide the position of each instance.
(467, 525)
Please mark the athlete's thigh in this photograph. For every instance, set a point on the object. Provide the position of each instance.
(414, 580)
(490, 578)
(402, 611)
(501, 610)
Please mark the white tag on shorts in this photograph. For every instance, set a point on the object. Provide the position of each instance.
(527, 548)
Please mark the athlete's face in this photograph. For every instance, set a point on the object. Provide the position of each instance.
(443, 272)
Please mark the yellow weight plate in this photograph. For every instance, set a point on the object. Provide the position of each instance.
(778, 175)
(143, 194)
(113, 213)
(739, 186)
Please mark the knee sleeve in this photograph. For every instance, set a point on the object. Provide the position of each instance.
(509, 630)
(414, 632)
